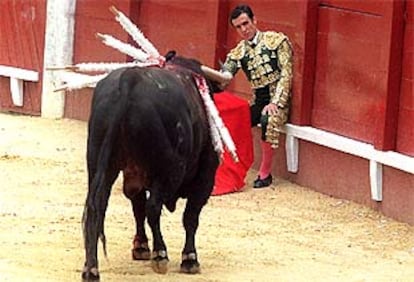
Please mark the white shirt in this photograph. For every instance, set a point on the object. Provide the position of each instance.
(255, 39)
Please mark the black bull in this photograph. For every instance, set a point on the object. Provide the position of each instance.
(151, 124)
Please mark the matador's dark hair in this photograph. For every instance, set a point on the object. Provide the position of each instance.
(240, 9)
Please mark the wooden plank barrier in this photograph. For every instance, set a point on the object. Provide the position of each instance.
(17, 77)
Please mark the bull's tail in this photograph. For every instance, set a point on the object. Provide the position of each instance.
(98, 190)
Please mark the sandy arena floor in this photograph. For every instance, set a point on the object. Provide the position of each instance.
(286, 233)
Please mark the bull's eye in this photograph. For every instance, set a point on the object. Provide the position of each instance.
(147, 194)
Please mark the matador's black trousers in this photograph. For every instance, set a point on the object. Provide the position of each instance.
(262, 98)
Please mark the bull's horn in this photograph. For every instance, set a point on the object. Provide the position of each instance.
(221, 77)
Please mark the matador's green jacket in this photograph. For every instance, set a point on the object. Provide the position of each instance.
(267, 65)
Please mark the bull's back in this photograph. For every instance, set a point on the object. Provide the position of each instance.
(165, 126)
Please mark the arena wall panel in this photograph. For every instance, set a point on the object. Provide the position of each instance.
(94, 16)
(187, 27)
(405, 135)
(21, 45)
(351, 72)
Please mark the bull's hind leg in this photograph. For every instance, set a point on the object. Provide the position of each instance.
(134, 191)
(93, 223)
(140, 249)
(159, 253)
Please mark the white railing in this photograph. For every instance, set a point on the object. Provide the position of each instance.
(347, 145)
(17, 77)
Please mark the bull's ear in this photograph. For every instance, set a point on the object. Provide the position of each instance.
(170, 55)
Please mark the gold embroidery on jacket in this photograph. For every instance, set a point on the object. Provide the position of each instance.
(272, 39)
(238, 52)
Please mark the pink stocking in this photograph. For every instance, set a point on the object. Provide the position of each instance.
(267, 157)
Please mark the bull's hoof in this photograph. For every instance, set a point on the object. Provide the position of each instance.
(190, 264)
(91, 274)
(141, 252)
(160, 262)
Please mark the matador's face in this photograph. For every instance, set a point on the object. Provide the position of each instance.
(245, 26)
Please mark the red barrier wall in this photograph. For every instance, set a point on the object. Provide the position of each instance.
(405, 133)
(353, 76)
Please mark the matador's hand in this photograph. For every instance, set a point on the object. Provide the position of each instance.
(270, 109)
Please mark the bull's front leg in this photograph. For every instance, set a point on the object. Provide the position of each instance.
(153, 211)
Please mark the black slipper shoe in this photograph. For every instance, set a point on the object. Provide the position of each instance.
(261, 183)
